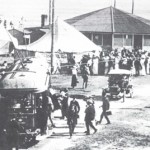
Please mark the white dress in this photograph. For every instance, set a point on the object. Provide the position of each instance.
(142, 71)
(116, 63)
(148, 66)
(95, 65)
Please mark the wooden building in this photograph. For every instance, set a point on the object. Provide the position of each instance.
(114, 28)
(27, 35)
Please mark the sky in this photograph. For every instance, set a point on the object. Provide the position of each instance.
(31, 10)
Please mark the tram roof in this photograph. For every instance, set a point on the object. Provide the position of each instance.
(33, 77)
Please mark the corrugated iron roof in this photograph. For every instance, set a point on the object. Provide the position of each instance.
(103, 20)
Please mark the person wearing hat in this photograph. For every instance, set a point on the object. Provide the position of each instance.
(89, 116)
(73, 115)
(64, 103)
(54, 97)
(13, 128)
(85, 73)
(41, 115)
(105, 107)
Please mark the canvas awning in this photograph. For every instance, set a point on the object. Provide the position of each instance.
(5, 39)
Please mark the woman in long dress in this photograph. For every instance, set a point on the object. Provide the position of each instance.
(142, 71)
(95, 61)
(74, 80)
(148, 65)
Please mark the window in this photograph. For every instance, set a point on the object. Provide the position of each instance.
(27, 39)
(107, 40)
(118, 40)
(127, 40)
(97, 39)
(146, 40)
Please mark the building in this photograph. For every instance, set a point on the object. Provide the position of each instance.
(18, 34)
(114, 28)
(27, 35)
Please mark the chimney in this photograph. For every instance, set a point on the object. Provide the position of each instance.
(43, 20)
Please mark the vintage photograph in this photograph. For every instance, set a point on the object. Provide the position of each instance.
(74, 75)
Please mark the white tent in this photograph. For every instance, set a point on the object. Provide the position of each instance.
(67, 39)
(5, 39)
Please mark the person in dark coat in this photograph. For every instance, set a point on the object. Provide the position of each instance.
(89, 117)
(42, 114)
(12, 130)
(137, 66)
(64, 104)
(105, 107)
(85, 73)
(54, 97)
(111, 64)
(73, 115)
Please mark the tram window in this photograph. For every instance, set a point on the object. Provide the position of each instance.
(15, 104)
(24, 102)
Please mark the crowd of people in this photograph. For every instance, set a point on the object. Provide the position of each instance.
(136, 60)
(70, 111)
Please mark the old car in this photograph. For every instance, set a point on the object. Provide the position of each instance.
(119, 84)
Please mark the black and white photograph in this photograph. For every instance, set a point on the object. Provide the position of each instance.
(74, 75)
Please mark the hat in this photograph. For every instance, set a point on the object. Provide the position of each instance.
(52, 91)
(90, 101)
(63, 94)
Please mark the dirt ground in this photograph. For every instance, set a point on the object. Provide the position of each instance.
(129, 128)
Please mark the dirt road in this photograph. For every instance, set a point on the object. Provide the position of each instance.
(129, 128)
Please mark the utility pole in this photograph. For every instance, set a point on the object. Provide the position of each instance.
(52, 30)
(132, 6)
(50, 13)
(114, 3)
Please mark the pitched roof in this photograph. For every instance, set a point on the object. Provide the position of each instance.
(110, 20)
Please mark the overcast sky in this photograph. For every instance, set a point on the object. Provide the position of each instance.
(31, 10)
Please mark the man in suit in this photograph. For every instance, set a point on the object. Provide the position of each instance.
(90, 116)
(105, 107)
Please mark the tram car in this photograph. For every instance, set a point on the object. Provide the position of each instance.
(22, 91)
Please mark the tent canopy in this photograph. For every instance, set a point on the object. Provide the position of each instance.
(5, 39)
(66, 39)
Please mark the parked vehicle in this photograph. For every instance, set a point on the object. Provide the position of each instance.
(119, 84)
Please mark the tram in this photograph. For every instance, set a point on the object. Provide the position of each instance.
(20, 89)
